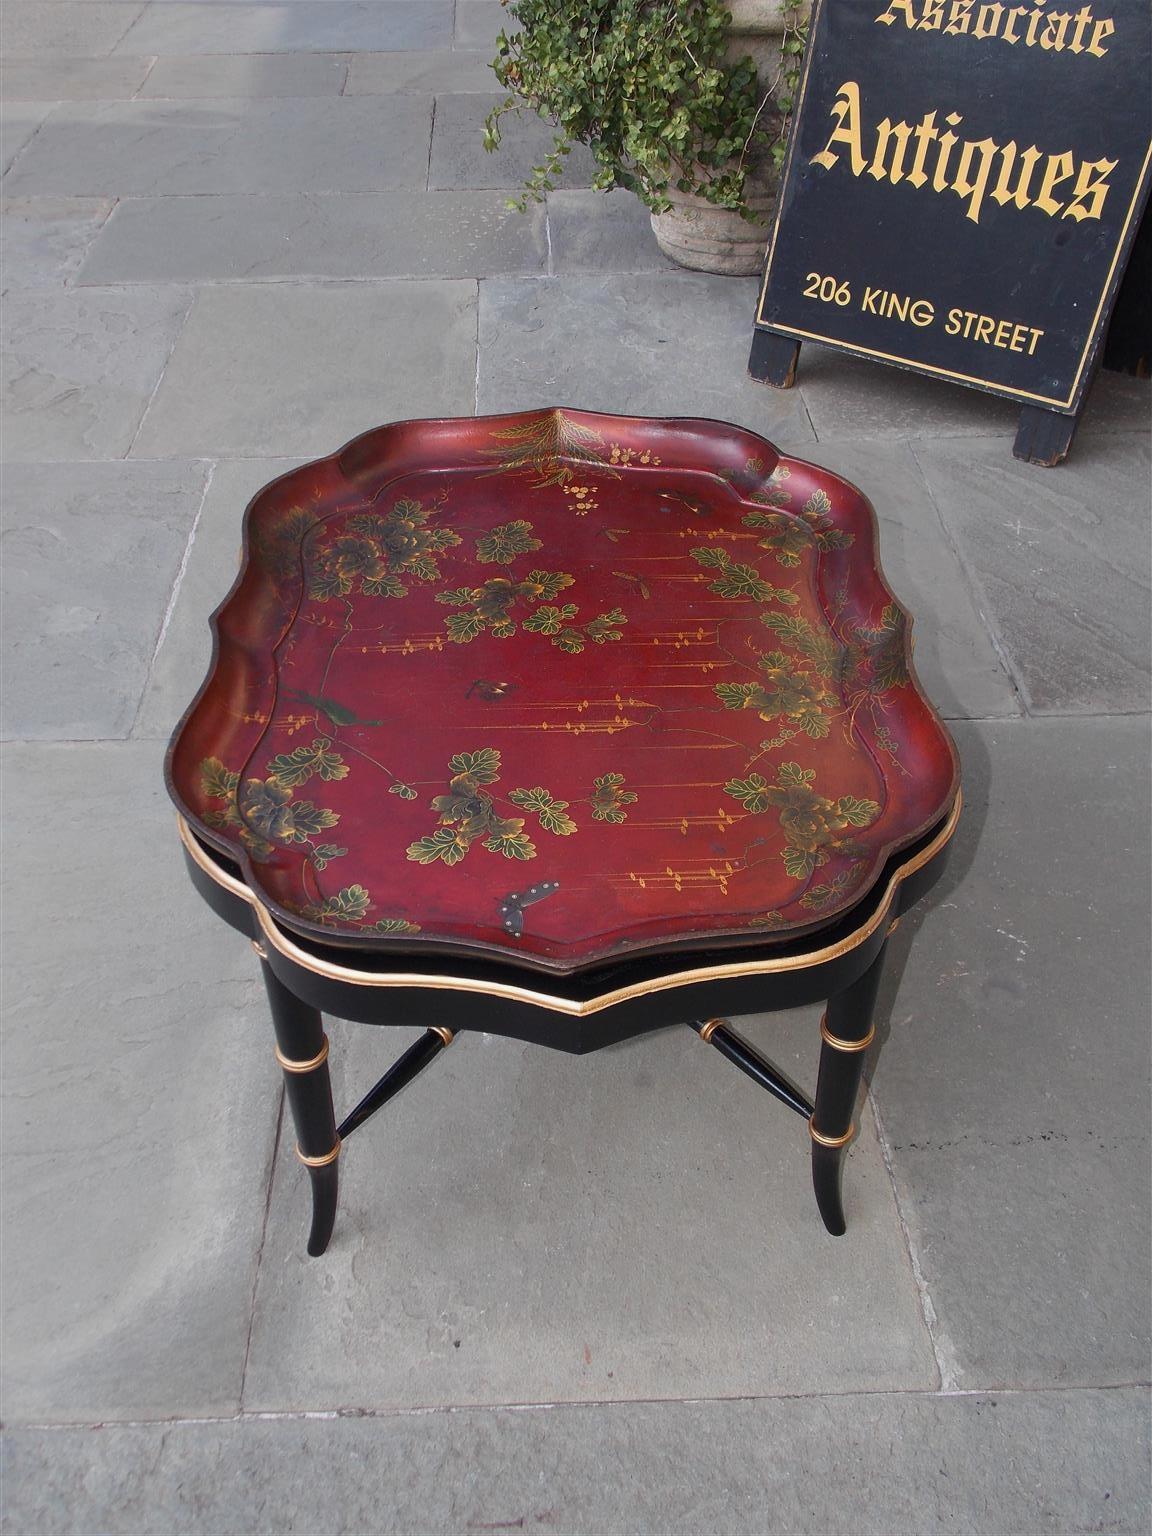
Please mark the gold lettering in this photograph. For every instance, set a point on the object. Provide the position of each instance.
(988, 18)
(960, 17)
(1036, 335)
(1001, 192)
(868, 303)
(1053, 31)
(1083, 19)
(1053, 38)
(1009, 33)
(952, 324)
(1094, 191)
(974, 190)
(947, 145)
(885, 132)
(925, 133)
(899, 8)
(846, 111)
(1102, 29)
(984, 327)
(922, 313)
(1058, 169)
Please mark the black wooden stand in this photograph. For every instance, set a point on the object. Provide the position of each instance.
(839, 964)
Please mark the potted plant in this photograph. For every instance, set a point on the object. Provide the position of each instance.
(684, 102)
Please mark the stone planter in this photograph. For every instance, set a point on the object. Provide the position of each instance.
(696, 233)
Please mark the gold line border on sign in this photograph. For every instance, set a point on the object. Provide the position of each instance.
(510, 992)
(1003, 390)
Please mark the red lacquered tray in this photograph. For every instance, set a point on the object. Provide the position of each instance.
(560, 687)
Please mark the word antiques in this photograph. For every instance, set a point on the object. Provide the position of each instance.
(982, 168)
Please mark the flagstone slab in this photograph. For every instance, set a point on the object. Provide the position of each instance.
(659, 344)
(480, 22)
(883, 1465)
(81, 365)
(603, 232)
(318, 26)
(271, 370)
(1061, 564)
(1012, 1085)
(138, 148)
(43, 240)
(60, 79)
(20, 121)
(421, 70)
(459, 158)
(528, 1226)
(234, 238)
(246, 75)
(33, 29)
(141, 1103)
(91, 552)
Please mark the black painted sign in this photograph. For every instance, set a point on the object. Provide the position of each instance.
(963, 183)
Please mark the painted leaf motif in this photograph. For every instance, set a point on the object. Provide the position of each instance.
(736, 695)
(570, 640)
(608, 797)
(834, 538)
(350, 904)
(481, 767)
(514, 845)
(294, 768)
(324, 853)
(813, 724)
(550, 620)
(503, 544)
(820, 649)
(792, 773)
(405, 791)
(799, 862)
(387, 585)
(542, 586)
(603, 627)
(218, 782)
(441, 844)
(395, 925)
(463, 627)
(550, 811)
(820, 896)
(712, 559)
(857, 813)
(229, 817)
(752, 792)
(304, 820)
(324, 584)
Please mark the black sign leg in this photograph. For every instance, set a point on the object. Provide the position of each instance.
(1044, 437)
(773, 359)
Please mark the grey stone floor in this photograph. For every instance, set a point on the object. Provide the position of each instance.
(568, 1295)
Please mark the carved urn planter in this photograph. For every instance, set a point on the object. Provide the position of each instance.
(696, 233)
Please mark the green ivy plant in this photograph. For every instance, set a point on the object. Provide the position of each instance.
(647, 86)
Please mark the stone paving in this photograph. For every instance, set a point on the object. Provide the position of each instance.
(573, 1295)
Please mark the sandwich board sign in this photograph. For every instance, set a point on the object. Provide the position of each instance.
(963, 184)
